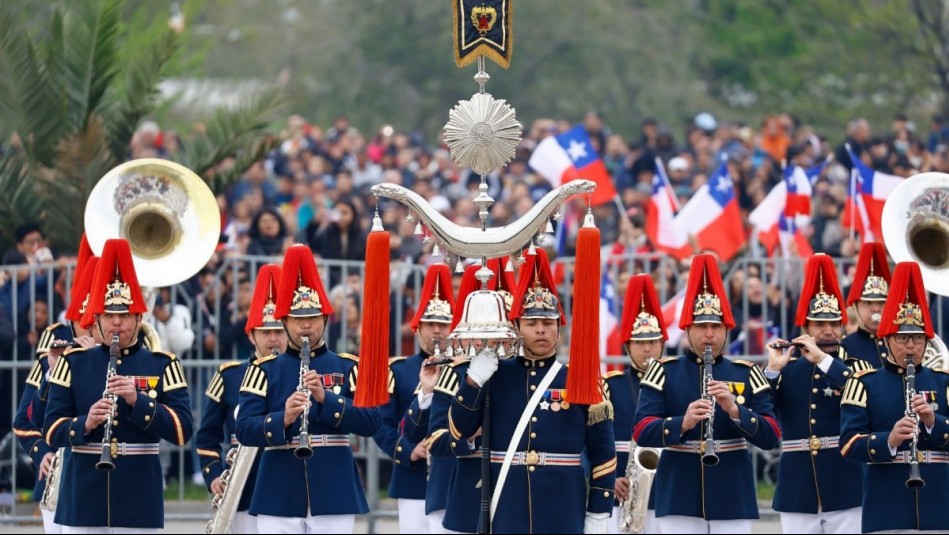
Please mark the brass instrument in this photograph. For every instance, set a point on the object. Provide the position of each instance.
(51, 492)
(239, 461)
(709, 457)
(640, 471)
(304, 451)
(108, 448)
(936, 355)
(914, 481)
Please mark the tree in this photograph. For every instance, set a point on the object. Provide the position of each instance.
(70, 101)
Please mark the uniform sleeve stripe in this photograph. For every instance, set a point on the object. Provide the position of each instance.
(655, 376)
(62, 374)
(641, 426)
(855, 393)
(849, 444)
(451, 427)
(447, 381)
(433, 438)
(774, 426)
(26, 433)
(35, 375)
(178, 430)
(215, 388)
(208, 453)
(52, 428)
(604, 469)
(759, 382)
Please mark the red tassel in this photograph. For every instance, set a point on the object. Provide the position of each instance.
(372, 383)
(81, 288)
(583, 375)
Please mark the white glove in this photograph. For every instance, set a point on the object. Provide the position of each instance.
(596, 522)
(483, 366)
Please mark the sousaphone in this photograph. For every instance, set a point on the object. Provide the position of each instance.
(166, 212)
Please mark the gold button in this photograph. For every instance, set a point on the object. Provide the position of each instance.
(207, 470)
(533, 435)
(753, 419)
(341, 401)
(75, 419)
(946, 436)
(115, 423)
(873, 437)
(873, 452)
(398, 449)
(72, 433)
(398, 461)
(533, 418)
(813, 405)
(666, 431)
(115, 440)
(639, 374)
(814, 453)
(36, 448)
(816, 376)
(454, 444)
(335, 415)
(813, 421)
(268, 419)
(530, 468)
(526, 363)
(460, 398)
(542, 364)
(118, 362)
(533, 387)
(846, 374)
(814, 390)
(533, 373)
(606, 494)
(151, 404)
(147, 417)
(669, 419)
(269, 434)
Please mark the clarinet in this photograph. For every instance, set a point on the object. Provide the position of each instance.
(304, 451)
(108, 449)
(915, 481)
(709, 457)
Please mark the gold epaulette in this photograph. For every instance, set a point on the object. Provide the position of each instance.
(255, 380)
(599, 412)
(393, 360)
(612, 374)
(36, 372)
(666, 360)
(744, 363)
(757, 380)
(655, 375)
(349, 356)
(855, 392)
(215, 390)
(939, 370)
(62, 373)
(262, 360)
(861, 373)
(174, 377)
(168, 354)
(71, 350)
(229, 364)
(447, 382)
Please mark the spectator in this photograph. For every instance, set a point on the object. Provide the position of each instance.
(268, 233)
(172, 322)
(342, 239)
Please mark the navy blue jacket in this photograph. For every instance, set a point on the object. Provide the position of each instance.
(873, 400)
(131, 494)
(327, 483)
(807, 403)
(29, 433)
(864, 346)
(218, 427)
(541, 499)
(408, 476)
(683, 485)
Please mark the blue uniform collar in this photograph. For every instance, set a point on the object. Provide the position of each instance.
(895, 368)
(314, 352)
(539, 363)
(695, 357)
(125, 351)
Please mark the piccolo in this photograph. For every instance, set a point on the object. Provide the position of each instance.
(785, 345)
(438, 362)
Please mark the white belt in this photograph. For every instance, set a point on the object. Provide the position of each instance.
(623, 446)
(316, 441)
(234, 441)
(927, 456)
(538, 458)
(119, 448)
(720, 446)
(810, 444)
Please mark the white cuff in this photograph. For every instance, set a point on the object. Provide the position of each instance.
(892, 452)
(425, 400)
(770, 374)
(825, 363)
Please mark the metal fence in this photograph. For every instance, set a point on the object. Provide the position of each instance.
(26, 286)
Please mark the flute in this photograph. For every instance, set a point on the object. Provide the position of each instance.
(785, 345)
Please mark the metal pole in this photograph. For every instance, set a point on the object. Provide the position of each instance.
(485, 524)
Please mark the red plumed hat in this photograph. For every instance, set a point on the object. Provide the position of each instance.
(301, 292)
(80, 290)
(435, 303)
(115, 288)
(263, 306)
(642, 314)
(705, 298)
(820, 298)
(906, 309)
(83, 256)
(872, 278)
(536, 295)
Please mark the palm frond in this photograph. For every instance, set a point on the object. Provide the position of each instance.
(19, 202)
(90, 57)
(238, 131)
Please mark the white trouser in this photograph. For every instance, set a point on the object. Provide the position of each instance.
(310, 524)
(435, 519)
(49, 526)
(651, 527)
(846, 521)
(84, 530)
(244, 523)
(694, 524)
(412, 517)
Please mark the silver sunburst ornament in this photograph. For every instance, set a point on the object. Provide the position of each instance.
(482, 133)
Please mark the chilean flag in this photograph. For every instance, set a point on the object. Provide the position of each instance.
(609, 323)
(786, 210)
(712, 216)
(671, 312)
(660, 217)
(570, 156)
(866, 196)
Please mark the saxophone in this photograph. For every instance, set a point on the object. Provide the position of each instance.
(51, 491)
(239, 461)
(640, 471)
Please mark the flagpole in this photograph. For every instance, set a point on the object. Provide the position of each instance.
(853, 193)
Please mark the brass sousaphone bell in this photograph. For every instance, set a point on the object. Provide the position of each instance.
(166, 212)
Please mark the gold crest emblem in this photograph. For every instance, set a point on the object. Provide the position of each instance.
(824, 303)
(118, 293)
(539, 298)
(707, 304)
(874, 286)
(910, 314)
(483, 19)
(305, 297)
(645, 323)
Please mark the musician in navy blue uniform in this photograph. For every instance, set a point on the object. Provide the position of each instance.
(644, 333)
(546, 489)
(692, 497)
(880, 417)
(818, 491)
(150, 403)
(431, 321)
(867, 295)
(218, 425)
(320, 494)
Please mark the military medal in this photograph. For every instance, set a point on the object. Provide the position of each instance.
(828, 392)
(740, 389)
(555, 399)
(152, 384)
(930, 397)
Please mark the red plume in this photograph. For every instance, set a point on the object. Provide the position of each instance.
(872, 255)
(906, 286)
(583, 385)
(80, 289)
(372, 383)
(640, 295)
(299, 269)
(704, 276)
(536, 269)
(819, 272)
(437, 275)
(265, 289)
(115, 262)
(503, 279)
(83, 256)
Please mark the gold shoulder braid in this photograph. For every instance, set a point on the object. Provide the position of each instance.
(174, 377)
(62, 374)
(855, 393)
(215, 389)
(447, 381)
(600, 412)
(36, 374)
(655, 376)
(255, 381)
(759, 383)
